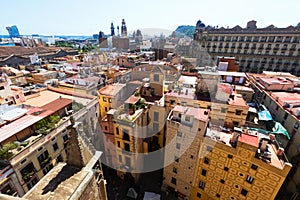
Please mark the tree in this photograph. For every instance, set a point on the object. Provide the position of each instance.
(5, 151)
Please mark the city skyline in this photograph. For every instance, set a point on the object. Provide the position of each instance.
(72, 17)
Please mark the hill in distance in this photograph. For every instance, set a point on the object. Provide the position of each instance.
(185, 30)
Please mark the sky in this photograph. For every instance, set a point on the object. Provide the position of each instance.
(88, 17)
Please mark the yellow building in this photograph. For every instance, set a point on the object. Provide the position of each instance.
(106, 96)
(241, 165)
(113, 96)
(185, 127)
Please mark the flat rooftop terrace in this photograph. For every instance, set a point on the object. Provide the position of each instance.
(224, 136)
(60, 183)
(48, 96)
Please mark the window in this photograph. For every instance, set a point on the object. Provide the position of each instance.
(203, 172)
(249, 179)
(206, 160)
(192, 157)
(226, 169)
(230, 156)
(178, 146)
(238, 112)
(127, 161)
(175, 170)
(172, 102)
(236, 124)
(117, 131)
(285, 116)
(109, 100)
(187, 118)
(59, 159)
(127, 147)
(218, 195)
(254, 167)
(176, 159)
(209, 148)
(173, 180)
(155, 127)
(55, 146)
(179, 134)
(198, 195)
(156, 77)
(202, 185)
(223, 110)
(156, 116)
(244, 192)
(222, 181)
(104, 99)
(120, 158)
(105, 109)
(296, 125)
(119, 144)
(105, 128)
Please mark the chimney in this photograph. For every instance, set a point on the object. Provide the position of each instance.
(272, 137)
(280, 151)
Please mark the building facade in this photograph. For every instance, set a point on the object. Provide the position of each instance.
(185, 127)
(256, 49)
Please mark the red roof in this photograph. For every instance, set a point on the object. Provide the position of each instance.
(249, 139)
(132, 100)
(57, 104)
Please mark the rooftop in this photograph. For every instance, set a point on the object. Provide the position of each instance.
(60, 183)
(198, 113)
(20, 51)
(57, 104)
(48, 96)
(111, 90)
(266, 148)
(20, 124)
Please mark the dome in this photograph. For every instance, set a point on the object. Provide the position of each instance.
(200, 24)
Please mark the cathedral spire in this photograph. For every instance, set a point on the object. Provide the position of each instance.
(123, 28)
(112, 28)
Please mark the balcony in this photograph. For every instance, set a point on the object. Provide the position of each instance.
(275, 48)
(261, 48)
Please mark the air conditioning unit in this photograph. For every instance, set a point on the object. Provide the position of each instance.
(286, 104)
(297, 113)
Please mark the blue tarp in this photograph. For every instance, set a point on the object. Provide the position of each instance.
(264, 115)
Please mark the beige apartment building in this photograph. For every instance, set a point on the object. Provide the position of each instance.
(38, 150)
(185, 127)
(256, 49)
(230, 110)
